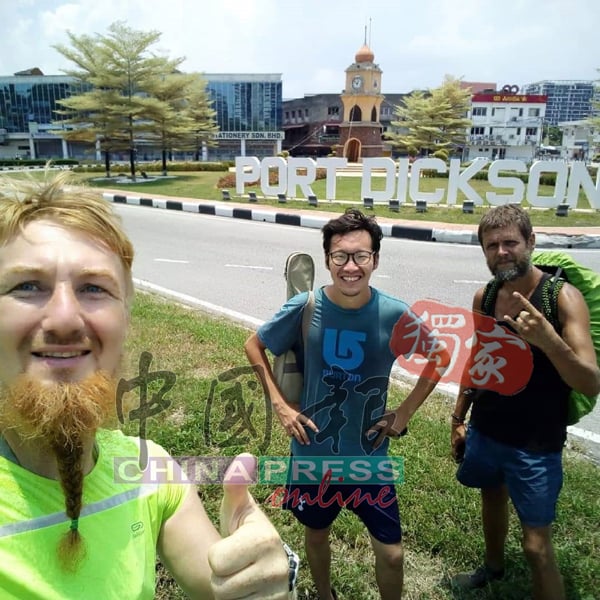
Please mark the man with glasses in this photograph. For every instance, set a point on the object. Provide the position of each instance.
(342, 416)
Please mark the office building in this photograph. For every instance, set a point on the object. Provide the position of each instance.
(568, 100)
(248, 106)
(28, 105)
(249, 114)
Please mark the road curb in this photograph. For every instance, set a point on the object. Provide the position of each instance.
(298, 219)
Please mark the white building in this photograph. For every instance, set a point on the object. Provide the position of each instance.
(505, 124)
(581, 140)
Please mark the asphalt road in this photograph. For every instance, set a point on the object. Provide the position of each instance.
(235, 267)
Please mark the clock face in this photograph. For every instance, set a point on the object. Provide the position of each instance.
(357, 82)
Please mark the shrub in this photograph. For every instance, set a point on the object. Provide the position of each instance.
(37, 162)
(154, 167)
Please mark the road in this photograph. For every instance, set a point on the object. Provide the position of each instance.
(236, 266)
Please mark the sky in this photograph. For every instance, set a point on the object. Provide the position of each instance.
(311, 42)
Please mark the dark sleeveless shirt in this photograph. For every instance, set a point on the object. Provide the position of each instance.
(535, 418)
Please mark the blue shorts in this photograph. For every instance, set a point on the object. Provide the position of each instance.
(375, 505)
(533, 479)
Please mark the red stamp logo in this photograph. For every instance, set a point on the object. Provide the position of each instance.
(483, 353)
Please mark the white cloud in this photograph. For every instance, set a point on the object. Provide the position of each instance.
(312, 42)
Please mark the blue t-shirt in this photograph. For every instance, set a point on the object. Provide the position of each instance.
(347, 372)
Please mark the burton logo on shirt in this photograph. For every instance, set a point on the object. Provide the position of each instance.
(344, 348)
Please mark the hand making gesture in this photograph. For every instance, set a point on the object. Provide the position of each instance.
(530, 323)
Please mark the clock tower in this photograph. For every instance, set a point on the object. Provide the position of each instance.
(360, 130)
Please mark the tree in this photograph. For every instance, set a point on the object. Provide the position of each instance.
(185, 118)
(199, 108)
(553, 136)
(594, 120)
(188, 119)
(134, 96)
(433, 120)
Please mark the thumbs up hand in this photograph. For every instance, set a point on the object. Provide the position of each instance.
(249, 562)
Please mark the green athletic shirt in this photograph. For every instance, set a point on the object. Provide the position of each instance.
(120, 523)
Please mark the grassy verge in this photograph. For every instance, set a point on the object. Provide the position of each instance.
(203, 186)
(440, 517)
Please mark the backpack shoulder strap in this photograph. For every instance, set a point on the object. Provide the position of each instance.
(488, 299)
(550, 291)
(307, 314)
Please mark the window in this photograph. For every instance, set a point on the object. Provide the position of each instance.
(355, 114)
(333, 110)
(479, 111)
(477, 130)
(534, 112)
(531, 131)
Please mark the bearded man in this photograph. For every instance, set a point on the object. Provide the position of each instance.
(68, 528)
(514, 443)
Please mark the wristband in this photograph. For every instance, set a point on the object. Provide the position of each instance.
(457, 420)
(293, 566)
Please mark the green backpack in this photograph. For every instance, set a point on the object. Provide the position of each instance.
(563, 268)
(300, 276)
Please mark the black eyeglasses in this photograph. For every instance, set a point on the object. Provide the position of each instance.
(360, 258)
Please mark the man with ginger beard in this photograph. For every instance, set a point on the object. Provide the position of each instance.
(68, 529)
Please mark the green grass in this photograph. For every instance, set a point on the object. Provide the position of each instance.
(440, 517)
(203, 186)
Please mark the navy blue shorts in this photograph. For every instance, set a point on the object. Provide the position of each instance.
(375, 505)
(534, 480)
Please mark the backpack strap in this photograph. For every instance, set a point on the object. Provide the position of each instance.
(550, 292)
(307, 315)
(488, 299)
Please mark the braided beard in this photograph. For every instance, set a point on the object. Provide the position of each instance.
(61, 413)
(62, 416)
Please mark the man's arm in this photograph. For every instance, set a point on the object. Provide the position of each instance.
(429, 378)
(183, 546)
(458, 430)
(464, 399)
(292, 420)
(394, 422)
(572, 353)
(248, 563)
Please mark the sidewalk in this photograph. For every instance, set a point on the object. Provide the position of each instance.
(427, 231)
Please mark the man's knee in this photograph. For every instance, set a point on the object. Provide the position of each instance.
(390, 555)
(537, 545)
